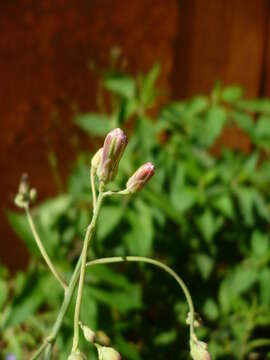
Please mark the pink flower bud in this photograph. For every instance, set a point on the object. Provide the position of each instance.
(137, 181)
(113, 148)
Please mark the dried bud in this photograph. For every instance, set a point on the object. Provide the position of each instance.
(88, 333)
(113, 148)
(25, 195)
(137, 181)
(96, 159)
(199, 350)
(77, 356)
(108, 353)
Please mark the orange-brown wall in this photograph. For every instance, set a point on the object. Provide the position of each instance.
(46, 47)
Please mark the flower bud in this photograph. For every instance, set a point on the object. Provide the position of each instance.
(88, 333)
(96, 159)
(113, 148)
(77, 356)
(199, 351)
(108, 353)
(137, 181)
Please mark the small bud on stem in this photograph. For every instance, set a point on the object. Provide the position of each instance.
(107, 353)
(113, 148)
(199, 350)
(137, 181)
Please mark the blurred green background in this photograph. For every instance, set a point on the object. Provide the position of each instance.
(205, 213)
(70, 72)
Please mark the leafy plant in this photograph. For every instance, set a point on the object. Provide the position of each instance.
(205, 215)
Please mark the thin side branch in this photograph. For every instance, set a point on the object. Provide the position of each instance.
(43, 251)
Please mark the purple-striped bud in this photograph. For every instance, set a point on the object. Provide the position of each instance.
(108, 353)
(199, 351)
(137, 181)
(113, 148)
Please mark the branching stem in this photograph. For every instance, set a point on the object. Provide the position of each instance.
(43, 251)
(157, 263)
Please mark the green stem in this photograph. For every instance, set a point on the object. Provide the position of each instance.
(43, 250)
(257, 343)
(60, 317)
(172, 273)
(92, 178)
(88, 236)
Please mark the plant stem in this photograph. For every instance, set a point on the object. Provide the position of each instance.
(257, 343)
(60, 317)
(93, 188)
(88, 236)
(43, 251)
(157, 263)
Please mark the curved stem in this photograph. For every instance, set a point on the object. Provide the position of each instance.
(157, 263)
(88, 236)
(60, 317)
(43, 251)
(93, 188)
(257, 343)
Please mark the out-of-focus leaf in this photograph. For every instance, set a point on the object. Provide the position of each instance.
(165, 338)
(242, 279)
(119, 300)
(205, 265)
(3, 292)
(207, 224)
(140, 236)
(232, 93)
(259, 243)
(264, 280)
(120, 84)
(147, 82)
(211, 126)
(94, 124)
(225, 205)
(244, 121)
(109, 218)
(210, 309)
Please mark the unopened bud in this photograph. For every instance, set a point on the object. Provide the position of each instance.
(96, 159)
(103, 338)
(33, 195)
(108, 353)
(88, 333)
(199, 350)
(77, 356)
(25, 195)
(137, 181)
(24, 185)
(197, 322)
(113, 148)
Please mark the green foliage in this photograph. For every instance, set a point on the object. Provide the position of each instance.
(206, 216)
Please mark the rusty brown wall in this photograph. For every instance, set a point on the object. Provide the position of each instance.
(46, 47)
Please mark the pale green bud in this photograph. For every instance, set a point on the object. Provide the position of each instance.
(77, 356)
(108, 353)
(96, 159)
(88, 333)
(198, 350)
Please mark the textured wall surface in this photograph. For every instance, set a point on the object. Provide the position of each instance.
(46, 47)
